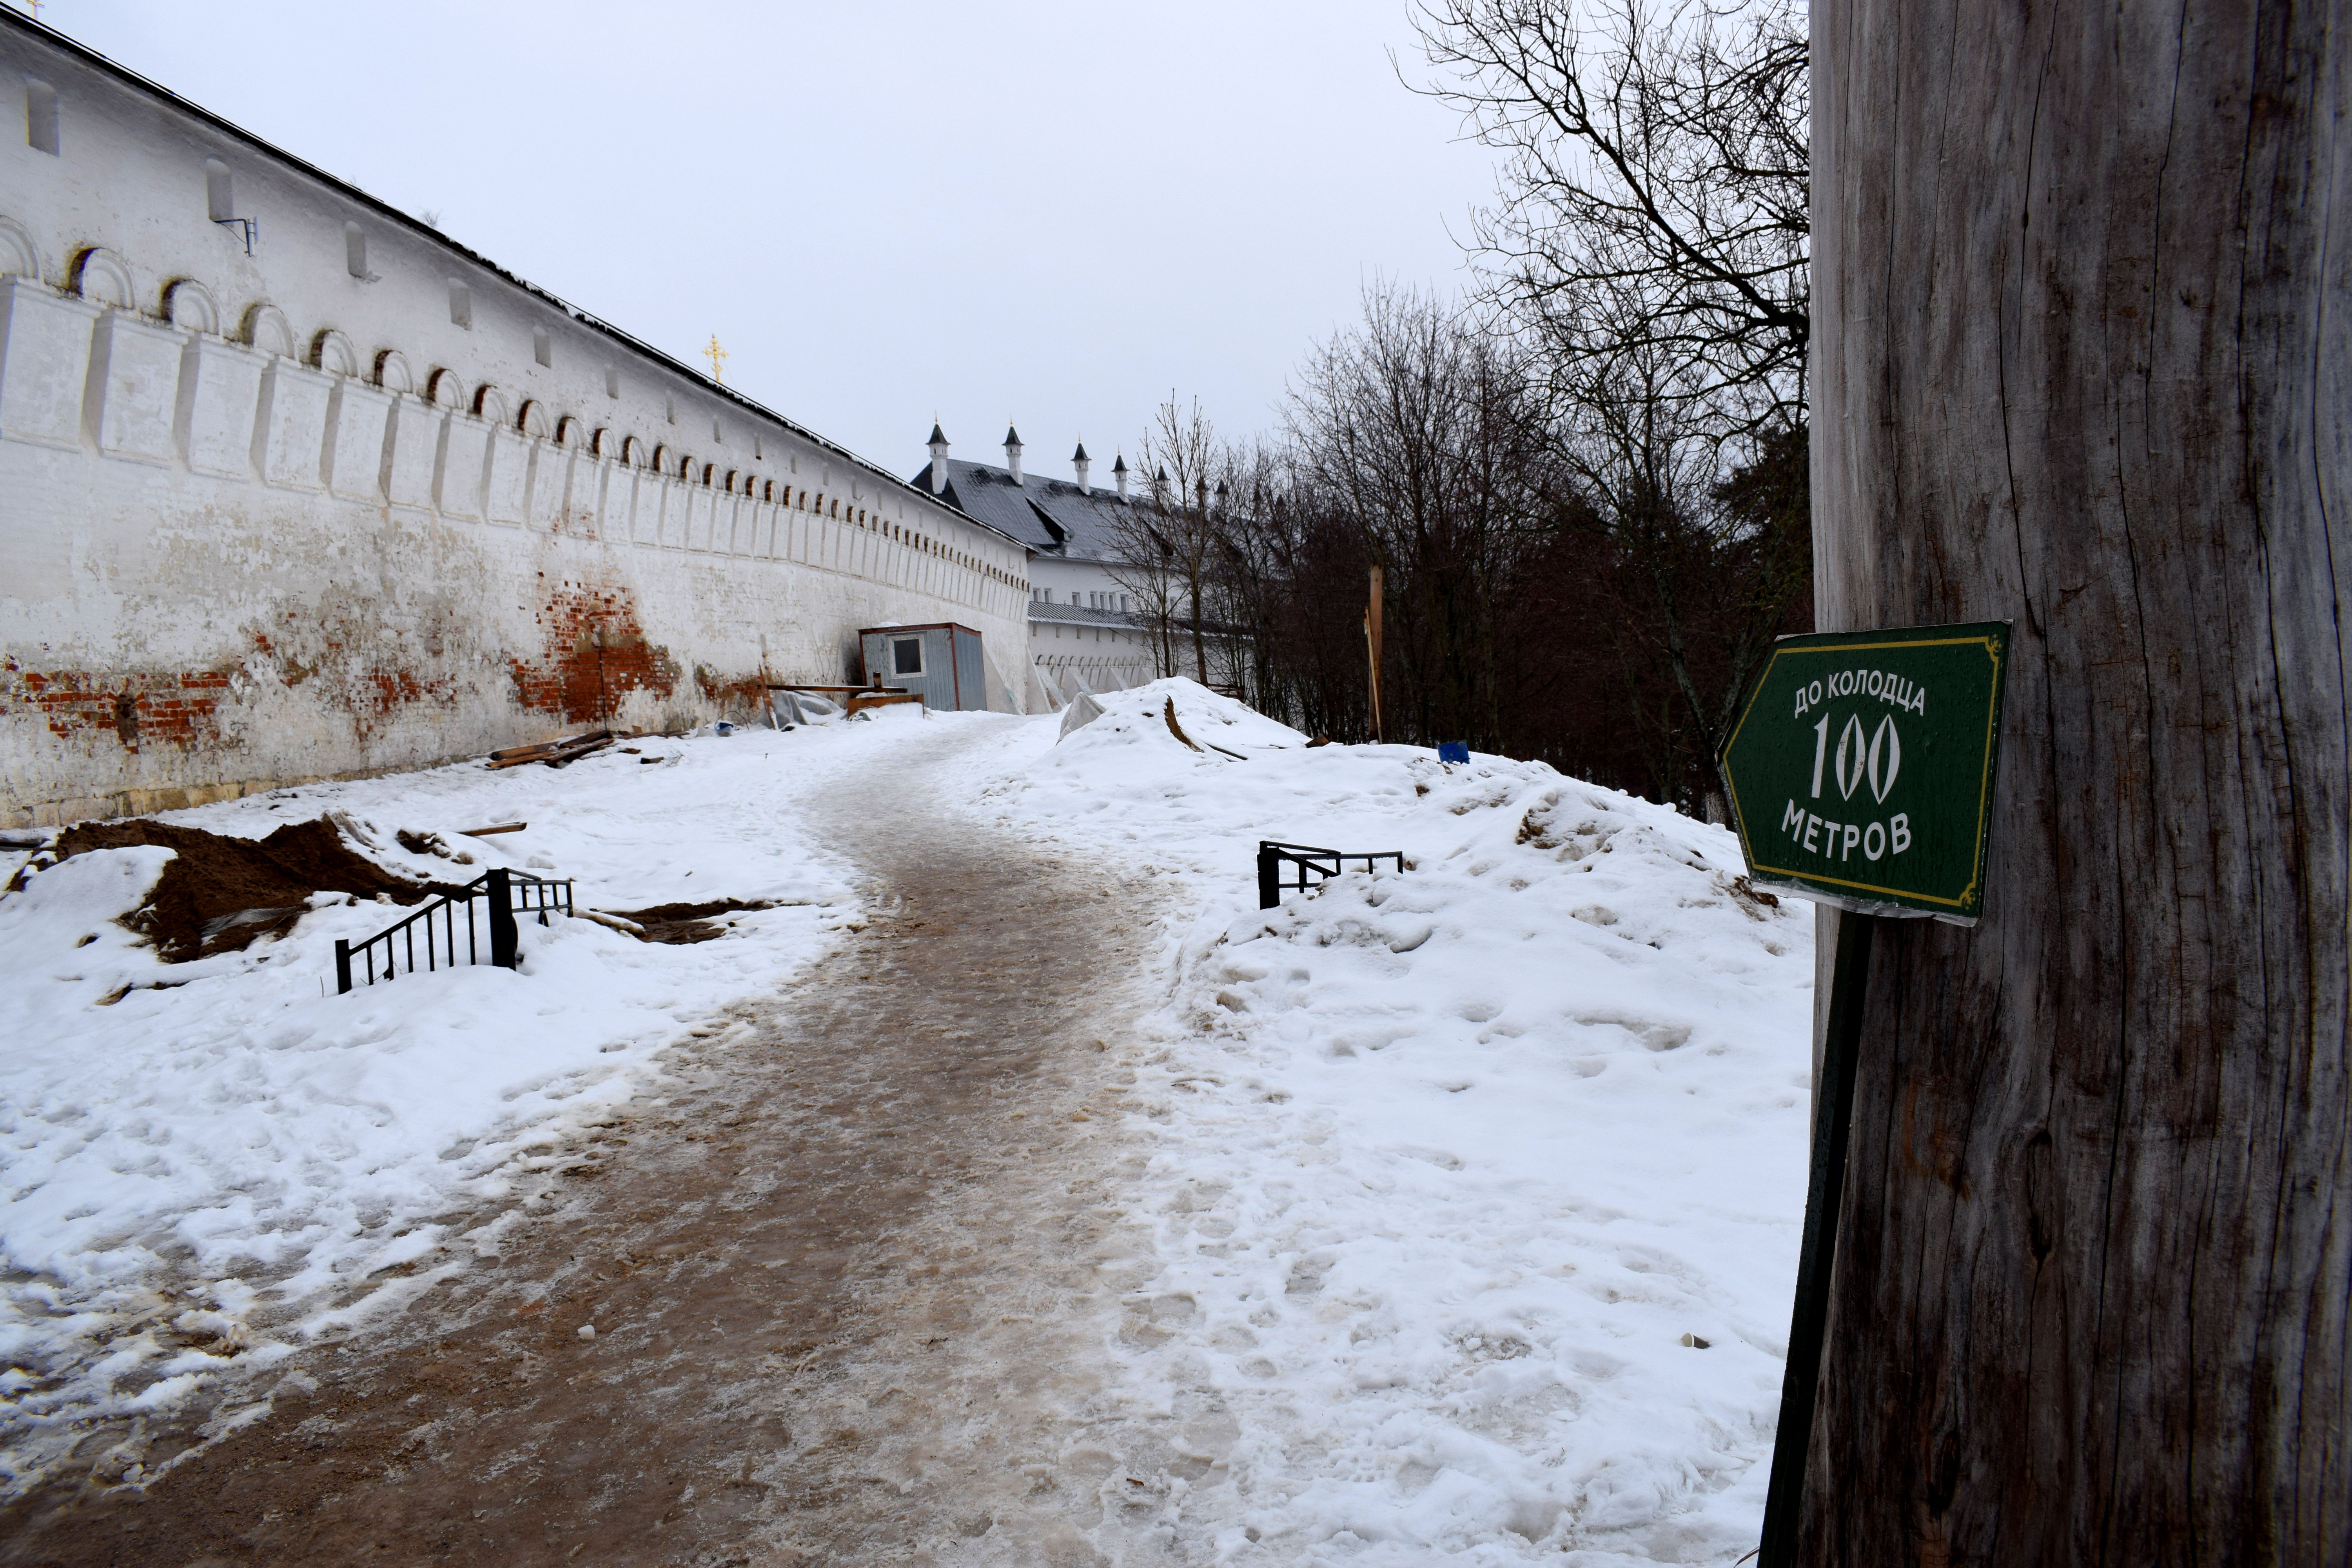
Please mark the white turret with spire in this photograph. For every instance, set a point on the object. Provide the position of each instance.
(1118, 475)
(1013, 453)
(939, 460)
(1078, 461)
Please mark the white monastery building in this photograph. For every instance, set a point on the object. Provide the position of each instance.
(293, 487)
(1084, 634)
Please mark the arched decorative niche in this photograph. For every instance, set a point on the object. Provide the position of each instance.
(606, 442)
(633, 451)
(19, 255)
(189, 304)
(267, 329)
(490, 403)
(567, 432)
(730, 481)
(443, 389)
(100, 277)
(392, 371)
(333, 352)
(661, 460)
(531, 418)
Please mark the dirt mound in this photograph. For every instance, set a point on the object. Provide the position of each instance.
(682, 924)
(221, 894)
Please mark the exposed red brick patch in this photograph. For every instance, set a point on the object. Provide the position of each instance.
(141, 708)
(596, 654)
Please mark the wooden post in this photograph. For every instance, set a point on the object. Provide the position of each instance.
(1372, 645)
(2083, 360)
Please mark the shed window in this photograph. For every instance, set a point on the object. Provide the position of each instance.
(355, 250)
(906, 656)
(542, 348)
(461, 304)
(611, 381)
(40, 116)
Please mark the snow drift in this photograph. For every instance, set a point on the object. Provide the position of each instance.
(202, 1157)
(1476, 1188)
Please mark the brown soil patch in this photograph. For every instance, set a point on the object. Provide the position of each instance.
(683, 924)
(220, 894)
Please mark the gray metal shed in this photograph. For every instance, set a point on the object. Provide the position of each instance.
(940, 662)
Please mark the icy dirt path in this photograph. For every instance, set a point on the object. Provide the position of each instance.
(852, 1275)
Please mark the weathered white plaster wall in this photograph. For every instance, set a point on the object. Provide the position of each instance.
(263, 518)
(1066, 657)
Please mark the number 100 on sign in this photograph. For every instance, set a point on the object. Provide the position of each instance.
(1862, 769)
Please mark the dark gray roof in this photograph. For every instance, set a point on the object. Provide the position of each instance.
(1033, 511)
(1080, 455)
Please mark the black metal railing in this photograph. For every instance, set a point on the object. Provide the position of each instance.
(503, 895)
(1314, 865)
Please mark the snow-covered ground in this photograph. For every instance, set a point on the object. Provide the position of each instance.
(1476, 1189)
(241, 1137)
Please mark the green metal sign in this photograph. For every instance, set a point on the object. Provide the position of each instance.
(1861, 771)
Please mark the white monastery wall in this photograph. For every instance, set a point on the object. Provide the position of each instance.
(359, 500)
(1100, 653)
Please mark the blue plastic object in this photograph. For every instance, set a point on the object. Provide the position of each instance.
(1453, 750)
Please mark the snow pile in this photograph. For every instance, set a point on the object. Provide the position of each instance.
(181, 1144)
(1476, 1189)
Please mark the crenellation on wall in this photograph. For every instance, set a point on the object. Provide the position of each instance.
(357, 418)
(132, 389)
(44, 346)
(289, 433)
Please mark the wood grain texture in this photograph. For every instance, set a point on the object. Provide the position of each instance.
(2084, 277)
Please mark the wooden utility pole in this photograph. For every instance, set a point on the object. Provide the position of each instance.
(1372, 645)
(2083, 361)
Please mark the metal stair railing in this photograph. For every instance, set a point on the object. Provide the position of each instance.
(1311, 863)
(504, 894)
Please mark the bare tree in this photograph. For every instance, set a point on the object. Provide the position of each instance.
(1710, 558)
(1146, 567)
(1169, 544)
(1421, 431)
(1651, 248)
(1655, 168)
(1288, 588)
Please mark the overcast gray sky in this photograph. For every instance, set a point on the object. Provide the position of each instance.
(1053, 213)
